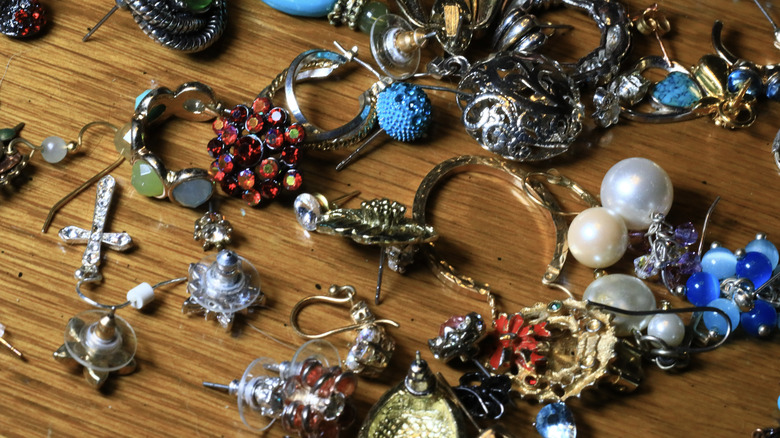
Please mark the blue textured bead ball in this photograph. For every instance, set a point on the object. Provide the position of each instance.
(762, 314)
(756, 267)
(701, 288)
(404, 111)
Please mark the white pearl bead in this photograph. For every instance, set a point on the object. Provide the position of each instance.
(54, 149)
(597, 238)
(624, 292)
(635, 189)
(667, 327)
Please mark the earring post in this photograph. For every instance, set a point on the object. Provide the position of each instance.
(100, 23)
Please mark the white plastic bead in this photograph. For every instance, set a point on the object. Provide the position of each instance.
(667, 327)
(623, 292)
(140, 295)
(54, 149)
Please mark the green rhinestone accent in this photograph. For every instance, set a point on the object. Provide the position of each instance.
(122, 141)
(146, 181)
(198, 5)
(371, 12)
(554, 306)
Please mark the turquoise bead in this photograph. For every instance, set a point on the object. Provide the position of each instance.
(715, 322)
(766, 248)
(302, 8)
(677, 90)
(141, 97)
(719, 262)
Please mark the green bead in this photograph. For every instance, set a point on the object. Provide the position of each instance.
(146, 181)
(198, 5)
(371, 12)
(7, 134)
(122, 141)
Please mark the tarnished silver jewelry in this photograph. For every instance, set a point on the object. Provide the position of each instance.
(521, 32)
(372, 349)
(602, 64)
(95, 238)
(173, 23)
(523, 107)
(776, 149)
(222, 285)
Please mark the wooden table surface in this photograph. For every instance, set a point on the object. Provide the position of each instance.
(56, 84)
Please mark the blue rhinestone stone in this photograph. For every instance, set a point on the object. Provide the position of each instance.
(772, 90)
(556, 421)
(677, 90)
(739, 77)
(404, 111)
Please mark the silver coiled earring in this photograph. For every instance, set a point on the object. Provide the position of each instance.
(180, 25)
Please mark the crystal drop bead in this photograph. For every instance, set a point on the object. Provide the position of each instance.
(555, 420)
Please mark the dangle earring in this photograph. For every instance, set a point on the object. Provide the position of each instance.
(185, 26)
(372, 349)
(22, 18)
(53, 149)
(99, 340)
(377, 222)
(308, 394)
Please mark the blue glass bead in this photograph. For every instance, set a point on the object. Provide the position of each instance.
(302, 8)
(677, 90)
(772, 90)
(715, 321)
(404, 111)
(701, 288)
(739, 77)
(766, 248)
(762, 314)
(556, 421)
(719, 262)
(756, 267)
(778, 403)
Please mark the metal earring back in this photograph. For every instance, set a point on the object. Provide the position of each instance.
(372, 349)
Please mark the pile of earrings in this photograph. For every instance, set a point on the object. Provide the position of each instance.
(308, 394)
(256, 152)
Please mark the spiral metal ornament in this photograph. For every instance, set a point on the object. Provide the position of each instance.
(523, 107)
(177, 27)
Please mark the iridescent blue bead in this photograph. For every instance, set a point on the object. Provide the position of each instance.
(701, 288)
(772, 89)
(720, 262)
(765, 247)
(756, 267)
(556, 421)
(740, 76)
(762, 314)
(715, 322)
(404, 111)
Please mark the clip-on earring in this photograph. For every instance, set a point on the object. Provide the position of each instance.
(22, 18)
(185, 26)
(222, 285)
(377, 222)
(372, 349)
(308, 394)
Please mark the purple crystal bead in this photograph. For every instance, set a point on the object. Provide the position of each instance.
(686, 234)
(689, 263)
(644, 267)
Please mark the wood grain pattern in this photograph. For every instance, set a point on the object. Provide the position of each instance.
(56, 84)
